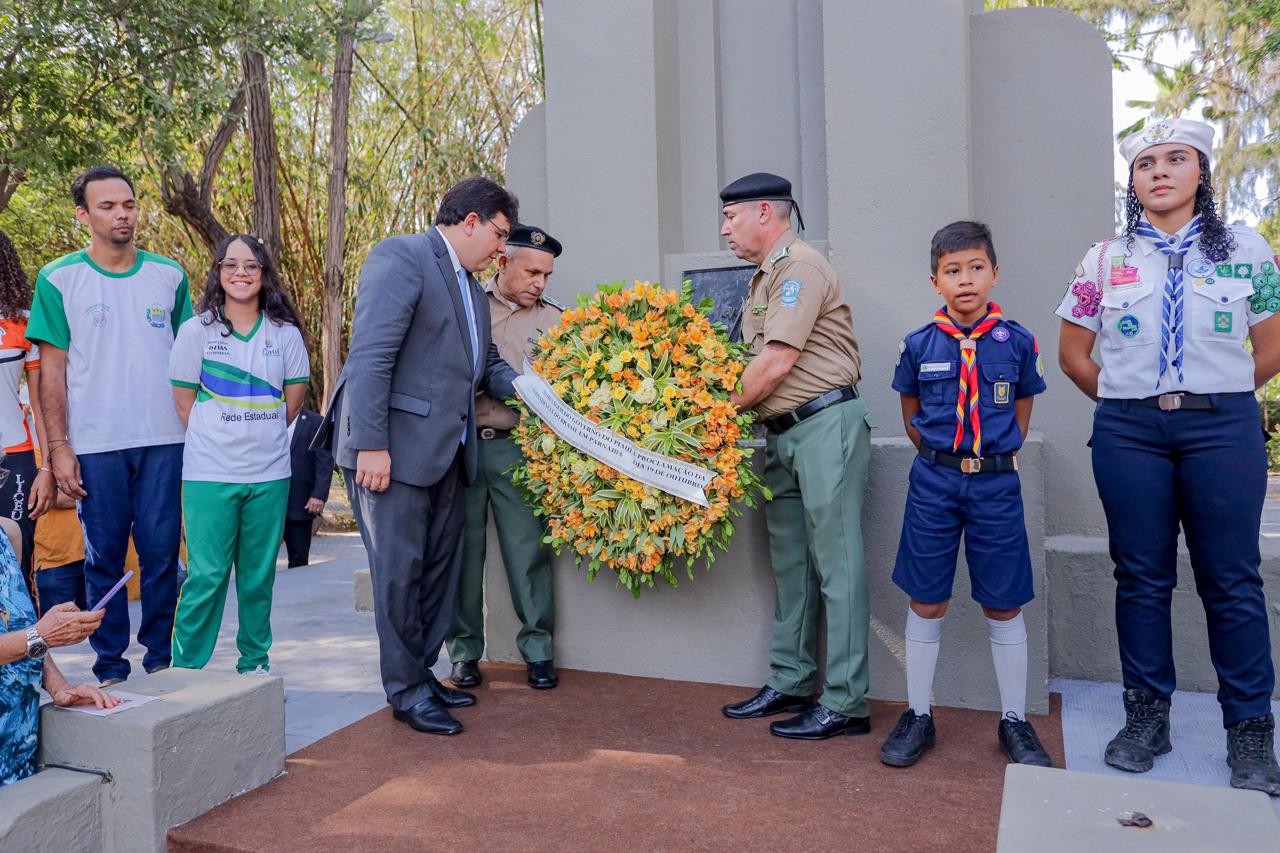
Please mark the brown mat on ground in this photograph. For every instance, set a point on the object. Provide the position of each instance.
(609, 762)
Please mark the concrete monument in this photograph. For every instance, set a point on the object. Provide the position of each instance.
(890, 119)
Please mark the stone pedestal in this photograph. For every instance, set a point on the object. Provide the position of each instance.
(54, 811)
(212, 736)
(1049, 810)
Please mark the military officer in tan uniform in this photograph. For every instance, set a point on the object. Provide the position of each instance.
(802, 382)
(520, 312)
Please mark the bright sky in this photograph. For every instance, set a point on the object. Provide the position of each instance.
(1137, 85)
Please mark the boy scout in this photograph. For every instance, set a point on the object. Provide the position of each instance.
(802, 383)
(521, 312)
(967, 378)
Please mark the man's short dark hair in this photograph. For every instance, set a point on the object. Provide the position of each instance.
(959, 236)
(96, 173)
(483, 196)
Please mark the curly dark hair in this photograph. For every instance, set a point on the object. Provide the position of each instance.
(1215, 238)
(273, 300)
(15, 290)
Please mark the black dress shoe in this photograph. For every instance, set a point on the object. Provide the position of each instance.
(542, 675)
(451, 698)
(820, 723)
(765, 703)
(466, 673)
(430, 717)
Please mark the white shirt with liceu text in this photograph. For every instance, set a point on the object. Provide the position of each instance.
(1118, 291)
(237, 430)
(117, 329)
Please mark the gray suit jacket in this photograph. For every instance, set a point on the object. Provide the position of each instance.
(408, 384)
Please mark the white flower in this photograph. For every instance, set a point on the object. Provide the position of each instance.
(548, 444)
(646, 393)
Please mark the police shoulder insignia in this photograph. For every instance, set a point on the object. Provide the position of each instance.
(553, 303)
(790, 293)
(779, 255)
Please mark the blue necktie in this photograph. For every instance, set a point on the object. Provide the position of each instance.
(1171, 309)
(471, 319)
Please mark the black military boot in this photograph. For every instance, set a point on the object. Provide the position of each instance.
(1252, 757)
(913, 734)
(1145, 734)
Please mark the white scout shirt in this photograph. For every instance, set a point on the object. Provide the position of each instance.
(236, 432)
(117, 329)
(1118, 292)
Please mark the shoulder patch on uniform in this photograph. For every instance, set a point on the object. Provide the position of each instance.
(780, 254)
(902, 347)
(553, 303)
(790, 293)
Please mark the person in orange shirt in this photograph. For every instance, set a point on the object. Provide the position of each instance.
(27, 493)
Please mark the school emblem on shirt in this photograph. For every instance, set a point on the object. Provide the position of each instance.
(790, 293)
(1201, 268)
(1129, 326)
(155, 316)
(270, 349)
(99, 314)
(1001, 393)
(1000, 333)
(1222, 321)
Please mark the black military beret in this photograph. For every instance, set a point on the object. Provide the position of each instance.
(760, 186)
(534, 238)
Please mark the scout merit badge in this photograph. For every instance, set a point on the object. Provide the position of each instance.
(968, 398)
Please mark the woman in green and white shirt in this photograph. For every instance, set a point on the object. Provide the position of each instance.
(239, 371)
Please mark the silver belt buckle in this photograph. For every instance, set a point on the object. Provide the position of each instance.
(971, 464)
(487, 433)
(1170, 402)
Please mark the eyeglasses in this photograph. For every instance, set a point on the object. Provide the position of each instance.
(503, 234)
(230, 267)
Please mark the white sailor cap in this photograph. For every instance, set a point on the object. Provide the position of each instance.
(1197, 134)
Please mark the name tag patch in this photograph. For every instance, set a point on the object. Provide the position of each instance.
(935, 367)
(1000, 391)
(790, 293)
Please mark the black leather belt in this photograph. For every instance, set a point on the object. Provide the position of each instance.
(971, 464)
(1174, 402)
(489, 433)
(785, 421)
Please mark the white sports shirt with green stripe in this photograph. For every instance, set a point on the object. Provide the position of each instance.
(118, 330)
(237, 432)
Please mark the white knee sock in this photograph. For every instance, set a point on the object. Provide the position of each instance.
(924, 638)
(1009, 652)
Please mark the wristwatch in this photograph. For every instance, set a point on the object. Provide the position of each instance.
(37, 648)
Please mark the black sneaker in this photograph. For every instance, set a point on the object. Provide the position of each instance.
(913, 734)
(1020, 742)
(1252, 757)
(1145, 734)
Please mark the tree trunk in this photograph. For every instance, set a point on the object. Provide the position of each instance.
(265, 155)
(334, 247)
(9, 182)
(191, 198)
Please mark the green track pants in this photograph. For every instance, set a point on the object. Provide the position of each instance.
(228, 524)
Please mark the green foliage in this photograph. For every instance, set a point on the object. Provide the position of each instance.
(438, 88)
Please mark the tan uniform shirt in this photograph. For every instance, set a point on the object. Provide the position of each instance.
(515, 331)
(796, 299)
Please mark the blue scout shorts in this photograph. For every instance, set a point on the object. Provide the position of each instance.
(942, 503)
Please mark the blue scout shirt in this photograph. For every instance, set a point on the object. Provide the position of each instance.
(1009, 367)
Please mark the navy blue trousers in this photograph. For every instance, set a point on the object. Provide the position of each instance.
(1205, 470)
(136, 491)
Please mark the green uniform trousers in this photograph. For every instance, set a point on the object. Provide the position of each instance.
(527, 560)
(817, 471)
(228, 524)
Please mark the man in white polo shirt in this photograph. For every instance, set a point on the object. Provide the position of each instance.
(105, 318)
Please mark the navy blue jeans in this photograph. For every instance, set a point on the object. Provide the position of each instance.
(136, 491)
(1205, 470)
(61, 584)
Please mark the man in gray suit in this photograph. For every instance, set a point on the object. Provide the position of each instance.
(404, 434)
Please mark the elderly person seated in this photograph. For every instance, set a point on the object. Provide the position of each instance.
(25, 664)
